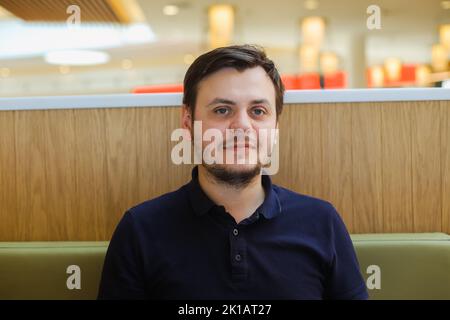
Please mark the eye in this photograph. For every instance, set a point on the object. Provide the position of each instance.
(221, 111)
(258, 111)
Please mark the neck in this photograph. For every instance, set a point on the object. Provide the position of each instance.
(240, 203)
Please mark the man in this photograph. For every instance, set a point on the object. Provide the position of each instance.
(230, 233)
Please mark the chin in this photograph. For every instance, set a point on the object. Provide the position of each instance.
(235, 175)
(238, 168)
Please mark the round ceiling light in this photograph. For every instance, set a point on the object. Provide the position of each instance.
(76, 57)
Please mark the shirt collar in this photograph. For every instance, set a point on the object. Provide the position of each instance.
(201, 204)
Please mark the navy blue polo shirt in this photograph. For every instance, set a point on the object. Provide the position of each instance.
(182, 245)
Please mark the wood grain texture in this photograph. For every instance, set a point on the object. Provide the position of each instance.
(121, 164)
(445, 161)
(31, 137)
(426, 166)
(337, 162)
(91, 176)
(300, 145)
(8, 201)
(396, 168)
(71, 174)
(60, 174)
(367, 168)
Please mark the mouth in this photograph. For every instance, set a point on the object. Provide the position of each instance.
(240, 146)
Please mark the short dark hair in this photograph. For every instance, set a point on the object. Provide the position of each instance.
(239, 57)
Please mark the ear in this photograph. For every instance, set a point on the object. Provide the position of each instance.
(186, 120)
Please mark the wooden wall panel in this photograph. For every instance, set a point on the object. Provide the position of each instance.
(121, 163)
(8, 201)
(154, 153)
(445, 162)
(367, 168)
(32, 199)
(396, 168)
(71, 174)
(426, 166)
(59, 171)
(301, 149)
(91, 176)
(336, 142)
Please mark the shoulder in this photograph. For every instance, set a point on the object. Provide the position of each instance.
(292, 201)
(162, 207)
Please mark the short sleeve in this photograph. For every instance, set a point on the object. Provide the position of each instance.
(344, 281)
(122, 276)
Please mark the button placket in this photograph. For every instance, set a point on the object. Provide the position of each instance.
(238, 254)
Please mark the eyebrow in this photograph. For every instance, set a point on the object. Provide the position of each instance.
(226, 101)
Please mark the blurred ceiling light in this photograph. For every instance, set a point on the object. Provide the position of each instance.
(20, 39)
(445, 5)
(439, 60)
(329, 63)
(188, 59)
(171, 10)
(423, 75)
(393, 68)
(127, 64)
(444, 35)
(221, 25)
(309, 56)
(76, 57)
(377, 76)
(311, 4)
(5, 72)
(313, 30)
(64, 69)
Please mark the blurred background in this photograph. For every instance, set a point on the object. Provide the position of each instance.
(57, 47)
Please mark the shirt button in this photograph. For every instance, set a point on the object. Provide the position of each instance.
(235, 232)
(237, 257)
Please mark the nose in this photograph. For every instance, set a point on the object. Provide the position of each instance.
(241, 120)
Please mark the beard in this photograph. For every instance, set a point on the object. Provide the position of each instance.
(235, 178)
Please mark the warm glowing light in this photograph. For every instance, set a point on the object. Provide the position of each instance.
(313, 31)
(221, 25)
(329, 63)
(377, 76)
(171, 10)
(423, 75)
(439, 59)
(309, 56)
(444, 35)
(393, 68)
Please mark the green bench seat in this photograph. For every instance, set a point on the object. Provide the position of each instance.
(395, 266)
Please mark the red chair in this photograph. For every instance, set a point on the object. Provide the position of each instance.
(309, 81)
(335, 81)
(161, 88)
(290, 82)
(408, 73)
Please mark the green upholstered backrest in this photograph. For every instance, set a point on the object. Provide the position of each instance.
(395, 266)
(412, 266)
(38, 270)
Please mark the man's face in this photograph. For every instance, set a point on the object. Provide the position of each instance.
(239, 100)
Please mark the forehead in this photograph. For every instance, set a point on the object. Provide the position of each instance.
(249, 84)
